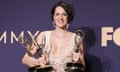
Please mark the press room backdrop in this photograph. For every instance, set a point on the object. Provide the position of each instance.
(99, 19)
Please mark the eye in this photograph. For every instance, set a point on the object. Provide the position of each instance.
(65, 14)
(61, 14)
(57, 14)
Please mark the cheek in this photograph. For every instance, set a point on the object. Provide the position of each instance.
(54, 18)
(66, 19)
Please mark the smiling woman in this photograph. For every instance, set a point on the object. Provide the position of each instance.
(58, 45)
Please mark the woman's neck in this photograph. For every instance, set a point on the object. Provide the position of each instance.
(60, 32)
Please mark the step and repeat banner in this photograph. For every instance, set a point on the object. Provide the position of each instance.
(98, 19)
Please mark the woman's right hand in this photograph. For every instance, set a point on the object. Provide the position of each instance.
(30, 61)
(41, 60)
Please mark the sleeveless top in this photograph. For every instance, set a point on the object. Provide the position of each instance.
(58, 63)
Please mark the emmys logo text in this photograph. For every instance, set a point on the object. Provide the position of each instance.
(15, 37)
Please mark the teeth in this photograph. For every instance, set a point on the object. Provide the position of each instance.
(60, 21)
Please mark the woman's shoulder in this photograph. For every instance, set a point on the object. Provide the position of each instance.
(71, 33)
(43, 33)
(76, 35)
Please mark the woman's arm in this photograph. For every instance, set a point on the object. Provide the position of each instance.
(81, 51)
(78, 54)
(28, 59)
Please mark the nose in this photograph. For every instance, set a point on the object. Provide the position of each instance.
(61, 16)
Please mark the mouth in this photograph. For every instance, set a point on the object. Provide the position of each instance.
(60, 21)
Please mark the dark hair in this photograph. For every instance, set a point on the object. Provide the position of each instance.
(67, 7)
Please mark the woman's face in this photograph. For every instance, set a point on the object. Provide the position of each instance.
(60, 17)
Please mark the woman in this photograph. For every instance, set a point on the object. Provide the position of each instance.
(60, 44)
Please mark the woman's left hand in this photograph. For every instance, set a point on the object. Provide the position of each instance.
(76, 56)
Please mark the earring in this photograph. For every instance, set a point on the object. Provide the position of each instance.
(53, 24)
(67, 26)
